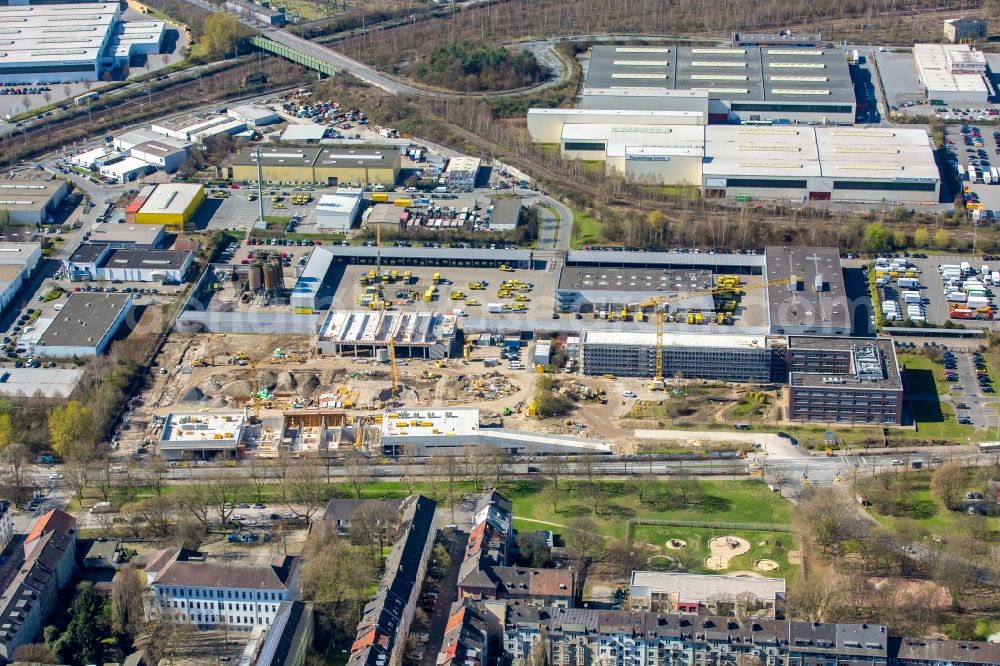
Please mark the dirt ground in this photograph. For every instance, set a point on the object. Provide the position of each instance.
(198, 373)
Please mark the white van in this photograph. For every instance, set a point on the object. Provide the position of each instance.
(629, 394)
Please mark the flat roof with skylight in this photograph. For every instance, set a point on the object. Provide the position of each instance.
(797, 75)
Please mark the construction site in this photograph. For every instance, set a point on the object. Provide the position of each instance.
(429, 340)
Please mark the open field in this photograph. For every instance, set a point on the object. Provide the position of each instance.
(617, 502)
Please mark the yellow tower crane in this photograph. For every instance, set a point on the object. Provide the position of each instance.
(659, 302)
(395, 373)
(254, 392)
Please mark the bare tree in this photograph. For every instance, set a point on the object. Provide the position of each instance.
(373, 525)
(15, 458)
(450, 471)
(817, 599)
(78, 476)
(193, 499)
(258, 476)
(307, 488)
(554, 468)
(498, 461)
(476, 460)
(127, 613)
(105, 522)
(157, 512)
(223, 492)
(158, 473)
(359, 471)
(103, 479)
(827, 517)
(948, 482)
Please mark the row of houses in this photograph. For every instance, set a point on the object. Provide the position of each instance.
(49, 563)
(486, 571)
(385, 623)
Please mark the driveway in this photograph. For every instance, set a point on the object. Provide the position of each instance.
(447, 591)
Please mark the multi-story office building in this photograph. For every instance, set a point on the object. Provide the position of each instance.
(187, 588)
(964, 29)
(726, 357)
(837, 380)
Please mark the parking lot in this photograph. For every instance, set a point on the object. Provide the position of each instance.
(932, 288)
(971, 387)
(978, 146)
(454, 291)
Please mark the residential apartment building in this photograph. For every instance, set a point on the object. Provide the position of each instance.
(385, 623)
(6, 525)
(188, 588)
(49, 562)
(485, 572)
(466, 640)
(585, 637)
(842, 380)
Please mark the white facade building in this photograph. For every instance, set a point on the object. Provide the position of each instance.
(952, 73)
(187, 588)
(6, 525)
(17, 262)
(337, 213)
(253, 115)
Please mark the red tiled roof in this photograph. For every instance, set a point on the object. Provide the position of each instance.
(55, 520)
(364, 641)
(455, 621)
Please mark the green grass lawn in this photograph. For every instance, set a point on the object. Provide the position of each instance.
(725, 501)
(763, 545)
(586, 230)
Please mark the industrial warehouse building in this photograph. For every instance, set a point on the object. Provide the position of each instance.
(171, 205)
(31, 200)
(836, 380)
(456, 430)
(71, 42)
(105, 262)
(202, 436)
(367, 333)
(952, 73)
(253, 115)
(336, 213)
(136, 237)
(298, 165)
(790, 162)
(85, 325)
(740, 83)
(724, 357)
(17, 263)
(196, 129)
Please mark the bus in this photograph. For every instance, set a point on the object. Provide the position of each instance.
(83, 99)
(989, 447)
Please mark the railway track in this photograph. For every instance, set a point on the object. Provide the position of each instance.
(59, 132)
